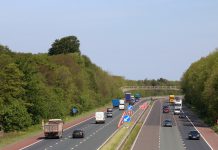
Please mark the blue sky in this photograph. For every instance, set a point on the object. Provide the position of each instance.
(135, 39)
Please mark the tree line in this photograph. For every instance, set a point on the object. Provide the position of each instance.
(200, 86)
(43, 86)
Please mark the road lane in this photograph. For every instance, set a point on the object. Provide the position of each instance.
(170, 138)
(148, 138)
(95, 135)
(184, 126)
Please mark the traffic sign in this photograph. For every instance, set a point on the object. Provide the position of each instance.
(130, 107)
(126, 118)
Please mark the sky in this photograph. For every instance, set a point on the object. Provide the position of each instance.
(140, 39)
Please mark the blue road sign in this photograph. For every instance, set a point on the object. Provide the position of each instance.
(130, 107)
(126, 118)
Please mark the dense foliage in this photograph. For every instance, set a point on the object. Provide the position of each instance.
(153, 82)
(200, 85)
(69, 44)
(35, 87)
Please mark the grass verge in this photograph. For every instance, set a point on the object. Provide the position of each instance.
(115, 141)
(215, 128)
(13, 137)
(132, 136)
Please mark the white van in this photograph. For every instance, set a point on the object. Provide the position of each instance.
(122, 105)
(99, 117)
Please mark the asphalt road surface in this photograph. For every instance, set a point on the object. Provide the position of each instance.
(155, 137)
(95, 135)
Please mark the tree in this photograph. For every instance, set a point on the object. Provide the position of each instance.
(69, 44)
(15, 117)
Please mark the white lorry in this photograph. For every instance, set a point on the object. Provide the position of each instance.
(99, 117)
(177, 105)
(122, 105)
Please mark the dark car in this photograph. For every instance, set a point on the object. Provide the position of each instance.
(167, 123)
(194, 135)
(182, 115)
(78, 134)
(109, 109)
(166, 109)
(109, 112)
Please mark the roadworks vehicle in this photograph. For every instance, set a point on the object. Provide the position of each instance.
(53, 128)
(99, 117)
(122, 105)
(171, 99)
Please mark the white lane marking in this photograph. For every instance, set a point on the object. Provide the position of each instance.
(142, 127)
(80, 142)
(76, 145)
(72, 148)
(161, 118)
(198, 131)
(56, 143)
(51, 146)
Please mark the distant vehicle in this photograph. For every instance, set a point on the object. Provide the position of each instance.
(122, 105)
(166, 109)
(128, 97)
(171, 99)
(99, 117)
(178, 103)
(182, 115)
(194, 135)
(53, 128)
(115, 102)
(109, 109)
(167, 123)
(137, 97)
(177, 111)
(109, 112)
(78, 134)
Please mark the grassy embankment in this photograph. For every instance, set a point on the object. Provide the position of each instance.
(14, 137)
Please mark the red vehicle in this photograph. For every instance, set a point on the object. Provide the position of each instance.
(166, 110)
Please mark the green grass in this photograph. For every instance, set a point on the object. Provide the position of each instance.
(14, 137)
(132, 137)
(115, 140)
(215, 128)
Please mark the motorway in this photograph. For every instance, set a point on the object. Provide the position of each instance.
(95, 135)
(153, 136)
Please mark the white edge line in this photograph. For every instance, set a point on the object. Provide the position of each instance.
(64, 130)
(198, 131)
(142, 127)
(114, 132)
